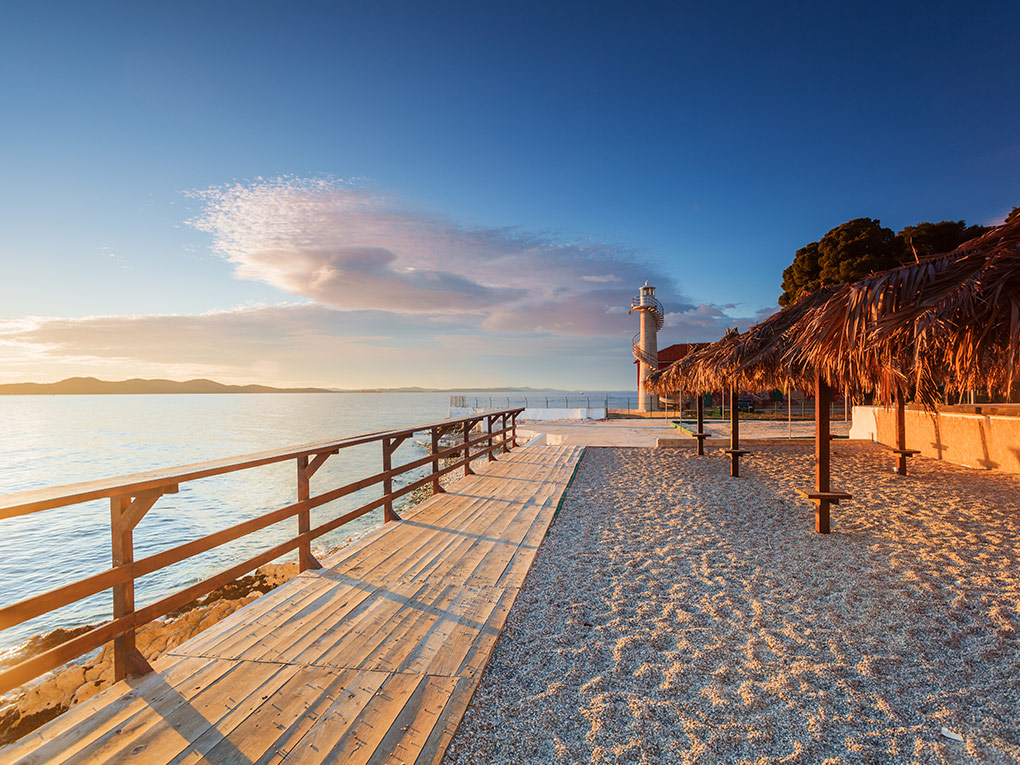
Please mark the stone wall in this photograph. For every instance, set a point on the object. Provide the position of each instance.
(974, 440)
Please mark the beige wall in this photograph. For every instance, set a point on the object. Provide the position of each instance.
(973, 440)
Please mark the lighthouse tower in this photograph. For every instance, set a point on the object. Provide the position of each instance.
(645, 344)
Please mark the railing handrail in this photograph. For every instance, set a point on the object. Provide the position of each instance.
(36, 500)
(131, 497)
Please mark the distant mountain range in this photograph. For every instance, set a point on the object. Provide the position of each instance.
(90, 385)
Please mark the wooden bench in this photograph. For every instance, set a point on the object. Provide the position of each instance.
(822, 500)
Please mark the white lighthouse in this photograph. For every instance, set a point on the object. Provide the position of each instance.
(645, 344)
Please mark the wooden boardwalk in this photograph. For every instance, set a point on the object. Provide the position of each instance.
(373, 658)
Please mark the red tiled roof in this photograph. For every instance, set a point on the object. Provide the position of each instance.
(672, 353)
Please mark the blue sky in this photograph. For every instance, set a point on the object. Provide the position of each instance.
(469, 192)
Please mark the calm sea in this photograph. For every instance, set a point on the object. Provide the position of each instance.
(55, 440)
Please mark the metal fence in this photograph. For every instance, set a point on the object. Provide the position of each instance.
(803, 409)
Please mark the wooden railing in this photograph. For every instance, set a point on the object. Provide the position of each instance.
(132, 496)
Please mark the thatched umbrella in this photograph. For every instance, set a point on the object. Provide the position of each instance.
(707, 369)
(753, 360)
(700, 372)
(756, 359)
(951, 319)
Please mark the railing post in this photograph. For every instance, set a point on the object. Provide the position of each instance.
(124, 516)
(489, 422)
(387, 466)
(467, 449)
(436, 487)
(304, 516)
(503, 426)
(513, 428)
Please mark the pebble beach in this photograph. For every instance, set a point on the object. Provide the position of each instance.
(675, 614)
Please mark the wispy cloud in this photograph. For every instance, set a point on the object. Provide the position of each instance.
(350, 247)
(302, 344)
(387, 295)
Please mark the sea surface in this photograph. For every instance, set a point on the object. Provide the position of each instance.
(56, 440)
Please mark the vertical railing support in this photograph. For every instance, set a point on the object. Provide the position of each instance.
(436, 486)
(387, 466)
(305, 470)
(513, 428)
(304, 516)
(489, 422)
(125, 513)
(506, 437)
(467, 449)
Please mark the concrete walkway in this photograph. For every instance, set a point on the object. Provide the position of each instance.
(646, 433)
(601, 432)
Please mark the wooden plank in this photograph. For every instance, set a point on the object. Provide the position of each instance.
(336, 711)
(358, 741)
(314, 696)
(412, 726)
(81, 725)
(161, 733)
(230, 638)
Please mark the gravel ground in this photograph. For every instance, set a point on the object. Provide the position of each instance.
(675, 614)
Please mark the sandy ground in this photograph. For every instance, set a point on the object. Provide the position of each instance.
(675, 614)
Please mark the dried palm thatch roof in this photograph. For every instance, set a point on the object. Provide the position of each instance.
(952, 318)
(698, 371)
(752, 360)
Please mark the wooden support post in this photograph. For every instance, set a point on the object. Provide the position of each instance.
(437, 488)
(467, 450)
(489, 422)
(513, 429)
(735, 451)
(823, 496)
(822, 452)
(387, 466)
(506, 436)
(306, 560)
(124, 516)
(734, 434)
(700, 435)
(901, 434)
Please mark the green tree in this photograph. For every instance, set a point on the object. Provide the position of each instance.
(863, 246)
(933, 238)
(850, 251)
(801, 276)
